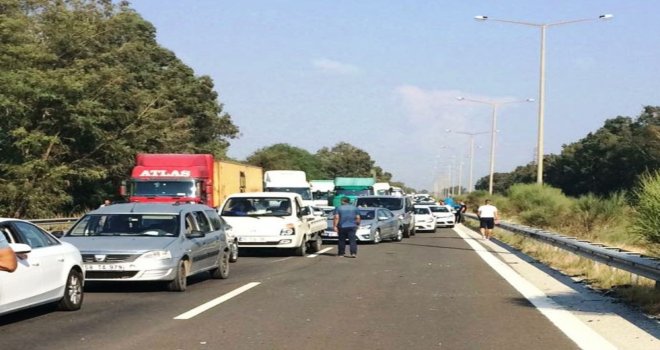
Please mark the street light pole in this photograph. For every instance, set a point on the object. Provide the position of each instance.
(495, 106)
(541, 112)
(471, 135)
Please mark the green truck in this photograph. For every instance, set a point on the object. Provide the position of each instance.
(352, 187)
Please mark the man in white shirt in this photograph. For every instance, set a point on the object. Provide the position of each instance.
(488, 217)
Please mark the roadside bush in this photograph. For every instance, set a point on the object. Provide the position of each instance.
(646, 220)
(592, 214)
(538, 206)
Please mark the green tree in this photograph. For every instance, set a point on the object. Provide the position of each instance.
(84, 87)
(283, 156)
(346, 160)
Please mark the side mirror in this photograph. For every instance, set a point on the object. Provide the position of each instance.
(20, 248)
(58, 233)
(304, 211)
(196, 234)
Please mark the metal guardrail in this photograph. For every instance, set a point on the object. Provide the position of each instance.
(632, 262)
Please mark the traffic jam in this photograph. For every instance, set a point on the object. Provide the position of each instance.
(190, 214)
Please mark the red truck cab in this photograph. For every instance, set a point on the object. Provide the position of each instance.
(171, 178)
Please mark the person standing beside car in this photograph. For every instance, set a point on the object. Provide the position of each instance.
(8, 260)
(488, 217)
(346, 222)
(461, 210)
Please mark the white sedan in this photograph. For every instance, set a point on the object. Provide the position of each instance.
(444, 217)
(424, 219)
(49, 271)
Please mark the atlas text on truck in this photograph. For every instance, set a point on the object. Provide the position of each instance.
(189, 178)
(352, 187)
(273, 220)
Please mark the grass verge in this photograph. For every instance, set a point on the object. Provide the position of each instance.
(632, 289)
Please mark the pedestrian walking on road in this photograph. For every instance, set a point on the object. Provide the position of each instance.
(459, 213)
(346, 222)
(488, 217)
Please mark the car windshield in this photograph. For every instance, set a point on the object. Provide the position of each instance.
(422, 211)
(126, 225)
(304, 192)
(349, 192)
(439, 209)
(367, 214)
(164, 188)
(389, 203)
(257, 206)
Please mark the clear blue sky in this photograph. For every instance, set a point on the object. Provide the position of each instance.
(383, 75)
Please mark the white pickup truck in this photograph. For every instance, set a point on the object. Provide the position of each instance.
(273, 220)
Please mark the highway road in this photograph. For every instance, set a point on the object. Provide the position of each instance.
(432, 291)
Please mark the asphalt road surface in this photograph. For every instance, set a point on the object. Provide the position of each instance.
(431, 291)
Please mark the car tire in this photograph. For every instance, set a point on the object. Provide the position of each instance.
(233, 252)
(377, 237)
(399, 235)
(179, 283)
(316, 245)
(222, 270)
(406, 232)
(302, 249)
(73, 292)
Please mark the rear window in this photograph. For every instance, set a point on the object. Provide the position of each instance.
(389, 203)
(422, 211)
(439, 209)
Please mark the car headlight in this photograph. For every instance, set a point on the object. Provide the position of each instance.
(400, 216)
(366, 227)
(288, 230)
(157, 255)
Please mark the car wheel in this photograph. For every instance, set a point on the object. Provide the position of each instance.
(399, 235)
(233, 252)
(222, 270)
(302, 249)
(377, 237)
(406, 232)
(73, 292)
(179, 283)
(315, 246)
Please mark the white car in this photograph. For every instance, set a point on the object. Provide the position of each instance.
(424, 219)
(444, 217)
(48, 271)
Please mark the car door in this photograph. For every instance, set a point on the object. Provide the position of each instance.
(38, 276)
(392, 223)
(208, 249)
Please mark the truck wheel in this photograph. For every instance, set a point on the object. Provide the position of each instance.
(222, 270)
(302, 249)
(179, 283)
(315, 246)
(73, 292)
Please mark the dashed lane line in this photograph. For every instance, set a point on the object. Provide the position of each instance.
(215, 302)
(319, 252)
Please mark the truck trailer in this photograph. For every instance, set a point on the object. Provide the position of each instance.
(352, 187)
(292, 181)
(189, 178)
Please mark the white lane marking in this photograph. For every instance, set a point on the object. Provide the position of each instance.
(578, 332)
(278, 260)
(319, 252)
(215, 302)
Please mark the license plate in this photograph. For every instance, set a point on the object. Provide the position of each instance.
(251, 239)
(330, 234)
(104, 267)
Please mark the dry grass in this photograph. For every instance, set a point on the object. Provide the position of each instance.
(634, 290)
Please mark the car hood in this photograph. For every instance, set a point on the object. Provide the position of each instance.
(119, 243)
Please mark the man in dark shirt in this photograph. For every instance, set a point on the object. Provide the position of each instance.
(346, 222)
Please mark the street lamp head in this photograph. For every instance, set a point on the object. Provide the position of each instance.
(530, 100)
(447, 130)
(460, 98)
(480, 18)
(606, 16)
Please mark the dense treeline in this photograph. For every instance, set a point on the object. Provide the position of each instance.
(83, 87)
(343, 159)
(607, 161)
